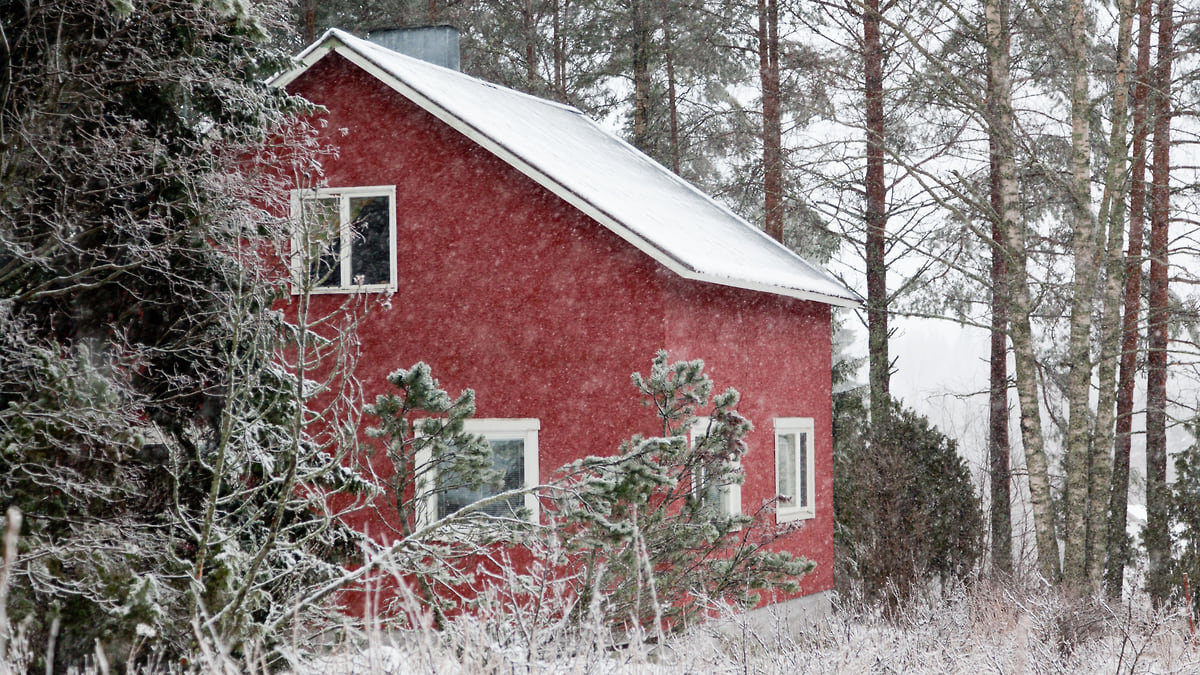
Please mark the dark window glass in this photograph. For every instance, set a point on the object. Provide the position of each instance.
(508, 458)
(370, 250)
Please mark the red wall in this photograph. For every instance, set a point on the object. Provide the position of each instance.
(507, 289)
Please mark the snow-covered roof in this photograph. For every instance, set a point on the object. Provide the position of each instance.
(559, 147)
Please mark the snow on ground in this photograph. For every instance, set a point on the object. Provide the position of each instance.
(989, 629)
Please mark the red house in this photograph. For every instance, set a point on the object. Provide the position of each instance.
(540, 260)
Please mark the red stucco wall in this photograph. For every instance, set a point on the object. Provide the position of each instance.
(776, 352)
(507, 289)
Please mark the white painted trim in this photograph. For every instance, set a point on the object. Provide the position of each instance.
(797, 425)
(344, 195)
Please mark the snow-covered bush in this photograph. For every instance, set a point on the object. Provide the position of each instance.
(906, 510)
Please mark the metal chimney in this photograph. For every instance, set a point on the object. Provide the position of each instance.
(435, 44)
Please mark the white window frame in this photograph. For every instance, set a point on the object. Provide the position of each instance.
(346, 284)
(493, 429)
(790, 511)
(730, 497)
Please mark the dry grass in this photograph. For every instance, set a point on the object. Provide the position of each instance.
(982, 628)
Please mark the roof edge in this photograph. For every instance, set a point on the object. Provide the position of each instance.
(332, 41)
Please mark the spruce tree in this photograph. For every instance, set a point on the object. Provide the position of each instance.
(150, 431)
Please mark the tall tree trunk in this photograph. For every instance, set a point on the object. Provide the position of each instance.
(998, 443)
(641, 77)
(1118, 501)
(998, 44)
(559, 50)
(876, 220)
(1019, 306)
(672, 101)
(529, 27)
(1112, 212)
(772, 129)
(310, 20)
(1079, 346)
(1157, 537)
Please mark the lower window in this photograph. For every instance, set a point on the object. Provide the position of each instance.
(725, 497)
(795, 483)
(514, 444)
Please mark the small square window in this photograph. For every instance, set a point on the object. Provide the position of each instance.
(794, 468)
(727, 497)
(514, 444)
(345, 239)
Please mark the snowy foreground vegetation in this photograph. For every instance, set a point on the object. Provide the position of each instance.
(981, 627)
(985, 628)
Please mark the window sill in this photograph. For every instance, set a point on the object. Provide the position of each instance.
(792, 515)
(347, 290)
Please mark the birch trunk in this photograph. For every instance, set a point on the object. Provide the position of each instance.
(1112, 212)
(1019, 307)
(1079, 352)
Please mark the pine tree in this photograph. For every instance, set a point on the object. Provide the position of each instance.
(645, 526)
(427, 456)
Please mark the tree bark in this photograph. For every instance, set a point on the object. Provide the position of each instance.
(1086, 266)
(672, 102)
(998, 442)
(560, 48)
(772, 124)
(1118, 501)
(876, 220)
(1112, 212)
(1157, 537)
(310, 20)
(529, 27)
(1019, 306)
(996, 12)
(641, 77)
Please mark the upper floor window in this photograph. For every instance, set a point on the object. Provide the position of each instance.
(794, 468)
(345, 238)
(514, 444)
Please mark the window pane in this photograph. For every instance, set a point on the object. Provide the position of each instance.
(785, 467)
(508, 458)
(802, 466)
(706, 489)
(322, 240)
(370, 249)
